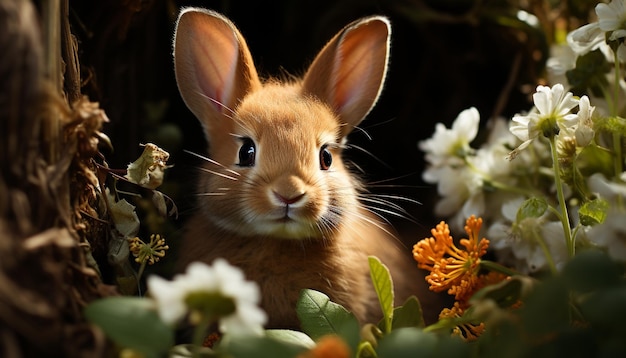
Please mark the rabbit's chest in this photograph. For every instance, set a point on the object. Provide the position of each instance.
(289, 268)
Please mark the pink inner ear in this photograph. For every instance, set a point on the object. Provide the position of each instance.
(215, 65)
(354, 74)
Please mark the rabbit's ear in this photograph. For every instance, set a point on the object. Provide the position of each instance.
(350, 70)
(214, 68)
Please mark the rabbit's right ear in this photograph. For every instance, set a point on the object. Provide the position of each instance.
(214, 68)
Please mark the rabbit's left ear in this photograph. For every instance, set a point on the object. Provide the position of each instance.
(349, 72)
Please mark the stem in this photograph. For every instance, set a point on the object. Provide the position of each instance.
(511, 189)
(616, 86)
(561, 197)
(141, 269)
(367, 349)
(199, 334)
(494, 266)
(617, 139)
(617, 148)
(546, 252)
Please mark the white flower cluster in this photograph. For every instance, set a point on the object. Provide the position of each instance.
(563, 151)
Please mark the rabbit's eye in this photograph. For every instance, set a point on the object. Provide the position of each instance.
(247, 153)
(326, 158)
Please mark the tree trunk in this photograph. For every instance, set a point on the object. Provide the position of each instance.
(48, 189)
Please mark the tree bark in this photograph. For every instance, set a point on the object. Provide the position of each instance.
(48, 191)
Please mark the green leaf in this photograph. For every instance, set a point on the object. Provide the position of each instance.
(131, 322)
(507, 292)
(291, 337)
(413, 342)
(408, 342)
(593, 212)
(605, 308)
(319, 316)
(532, 208)
(589, 74)
(384, 289)
(592, 270)
(408, 315)
(258, 347)
(546, 309)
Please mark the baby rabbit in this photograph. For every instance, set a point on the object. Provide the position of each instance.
(275, 197)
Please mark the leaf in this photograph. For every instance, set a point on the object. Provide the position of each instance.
(507, 292)
(131, 322)
(413, 342)
(546, 309)
(408, 315)
(384, 289)
(589, 73)
(592, 270)
(532, 208)
(159, 202)
(593, 212)
(148, 169)
(257, 347)
(319, 316)
(292, 337)
(124, 216)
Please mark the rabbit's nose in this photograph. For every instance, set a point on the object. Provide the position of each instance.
(288, 200)
(288, 190)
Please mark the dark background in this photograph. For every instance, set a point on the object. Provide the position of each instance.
(445, 57)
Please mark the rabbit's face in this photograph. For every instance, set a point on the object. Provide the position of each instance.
(287, 178)
(275, 164)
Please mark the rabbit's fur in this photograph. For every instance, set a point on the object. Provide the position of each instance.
(275, 198)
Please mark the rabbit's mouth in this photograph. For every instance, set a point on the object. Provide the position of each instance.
(285, 220)
(289, 227)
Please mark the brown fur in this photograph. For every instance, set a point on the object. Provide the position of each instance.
(324, 243)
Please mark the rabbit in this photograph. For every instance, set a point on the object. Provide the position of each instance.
(275, 197)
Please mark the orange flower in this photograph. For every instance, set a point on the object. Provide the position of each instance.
(328, 347)
(451, 268)
(467, 331)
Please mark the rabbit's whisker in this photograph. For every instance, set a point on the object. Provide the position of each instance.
(388, 207)
(361, 149)
(218, 174)
(219, 104)
(362, 130)
(397, 197)
(212, 162)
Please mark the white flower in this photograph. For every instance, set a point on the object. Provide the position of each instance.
(520, 243)
(608, 190)
(221, 279)
(585, 39)
(584, 132)
(449, 146)
(562, 59)
(553, 106)
(611, 234)
(611, 18)
(456, 186)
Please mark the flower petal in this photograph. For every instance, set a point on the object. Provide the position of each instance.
(585, 38)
